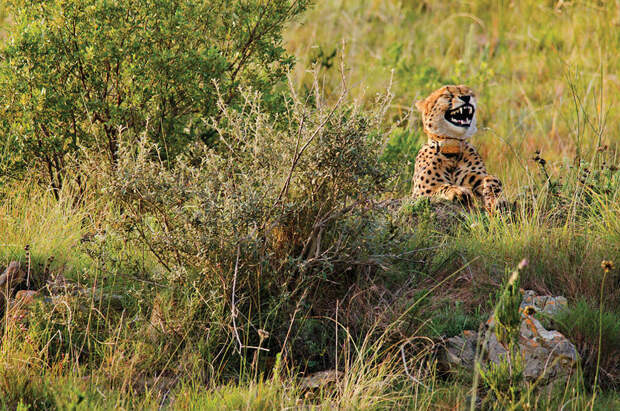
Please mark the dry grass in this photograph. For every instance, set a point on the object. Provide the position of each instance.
(547, 77)
(546, 74)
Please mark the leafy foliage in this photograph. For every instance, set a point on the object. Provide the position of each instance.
(401, 150)
(90, 74)
(279, 211)
(506, 314)
(505, 380)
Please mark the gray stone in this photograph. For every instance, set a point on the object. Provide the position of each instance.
(12, 276)
(547, 354)
(461, 350)
(546, 304)
(9, 279)
(320, 379)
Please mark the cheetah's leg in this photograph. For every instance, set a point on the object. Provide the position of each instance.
(454, 193)
(493, 195)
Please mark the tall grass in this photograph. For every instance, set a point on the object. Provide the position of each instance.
(174, 320)
(544, 71)
(32, 216)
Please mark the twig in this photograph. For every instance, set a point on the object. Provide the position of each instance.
(600, 338)
(235, 312)
(336, 326)
(299, 153)
(233, 306)
(29, 264)
(290, 326)
(414, 379)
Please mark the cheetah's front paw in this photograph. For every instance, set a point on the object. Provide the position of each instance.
(459, 194)
(493, 195)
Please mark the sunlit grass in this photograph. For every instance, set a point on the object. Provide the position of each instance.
(30, 215)
(547, 78)
(545, 72)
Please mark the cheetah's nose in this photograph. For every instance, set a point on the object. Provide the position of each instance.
(465, 98)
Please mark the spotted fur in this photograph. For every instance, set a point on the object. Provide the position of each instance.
(448, 166)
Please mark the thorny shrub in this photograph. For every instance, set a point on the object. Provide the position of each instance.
(276, 210)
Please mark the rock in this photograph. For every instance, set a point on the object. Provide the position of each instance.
(12, 276)
(19, 308)
(547, 354)
(58, 295)
(496, 352)
(320, 379)
(545, 304)
(461, 350)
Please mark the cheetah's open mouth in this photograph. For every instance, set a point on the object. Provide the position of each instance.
(461, 116)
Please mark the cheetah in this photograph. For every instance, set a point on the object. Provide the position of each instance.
(448, 166)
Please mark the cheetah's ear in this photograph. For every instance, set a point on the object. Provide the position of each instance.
(421, 105)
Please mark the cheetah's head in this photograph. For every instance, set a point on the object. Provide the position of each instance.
(449, 112)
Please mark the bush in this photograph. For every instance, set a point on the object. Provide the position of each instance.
(87, 73)
(401, 150)
(266, 222)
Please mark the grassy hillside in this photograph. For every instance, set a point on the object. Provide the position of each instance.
(545, 72)
(286, 243)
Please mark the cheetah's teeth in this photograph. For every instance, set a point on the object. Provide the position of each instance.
(461, 116)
